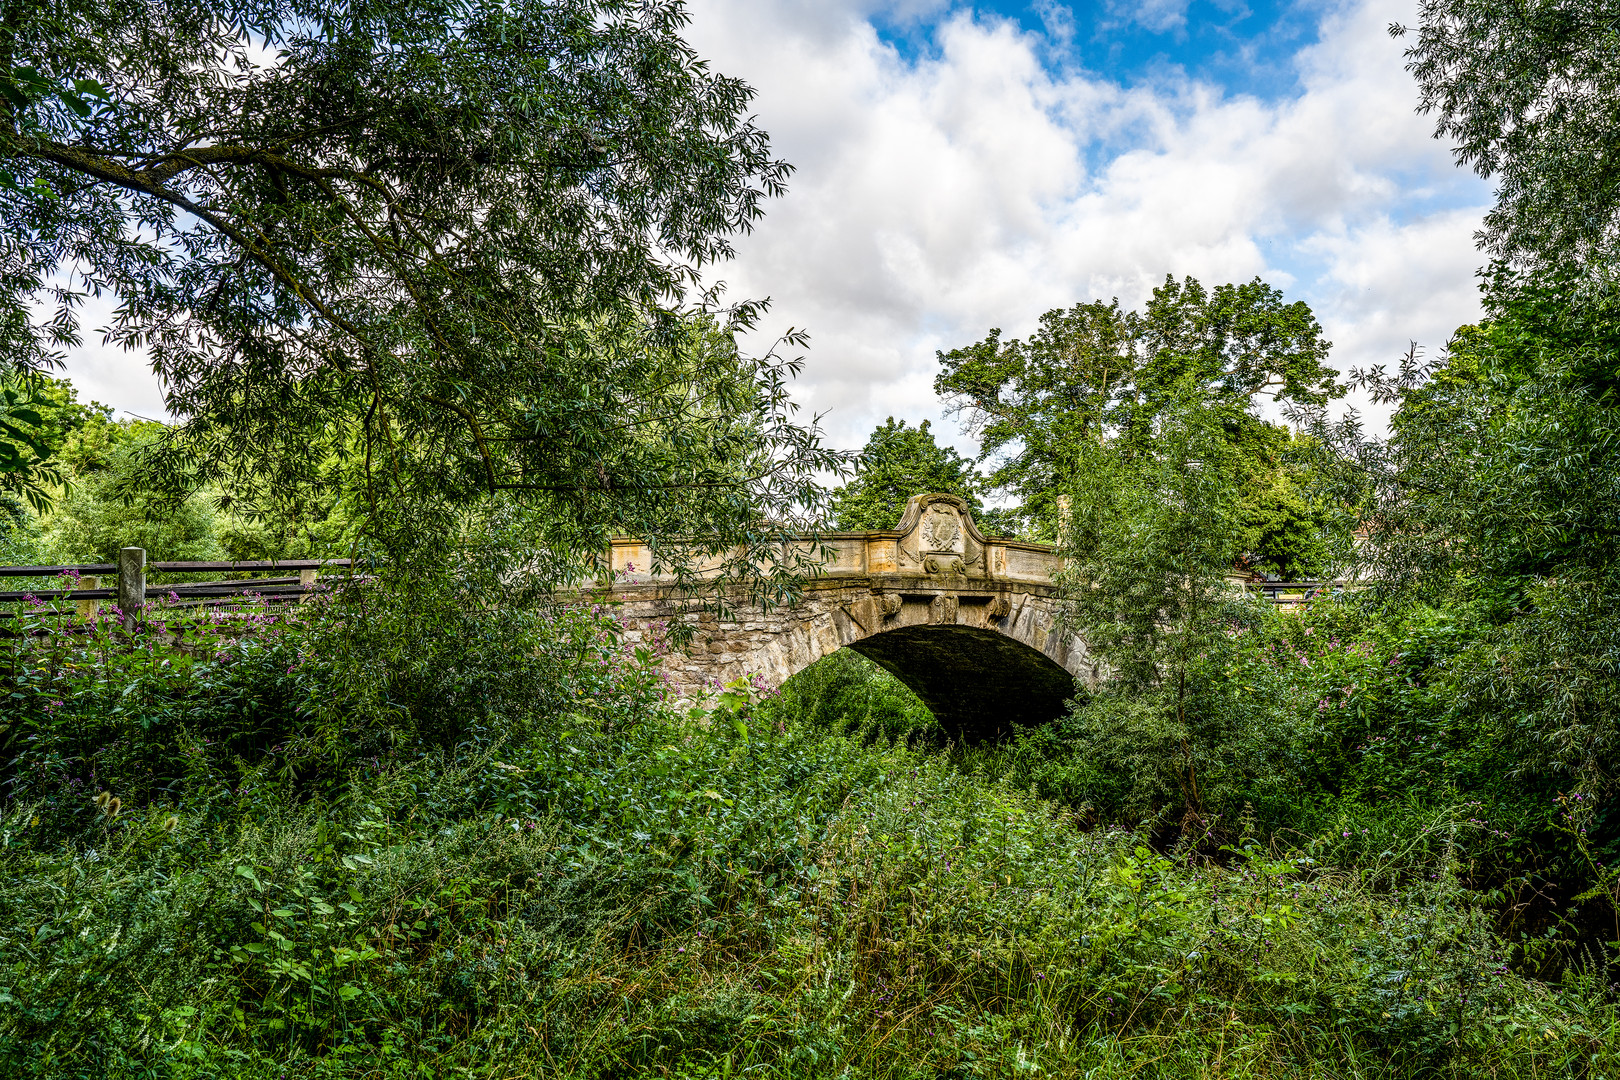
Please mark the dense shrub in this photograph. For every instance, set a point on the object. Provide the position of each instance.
(1337, 719)
(685, 897)
(229, 712)
(849, 694)
(401, 835)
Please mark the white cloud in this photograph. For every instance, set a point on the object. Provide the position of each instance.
(107, 373)
(977, 187)
(1158, 16)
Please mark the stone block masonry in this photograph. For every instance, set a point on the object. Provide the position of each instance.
(969, 623)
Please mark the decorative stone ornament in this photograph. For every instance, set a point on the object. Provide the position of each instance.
(942, 530)
(938, 537)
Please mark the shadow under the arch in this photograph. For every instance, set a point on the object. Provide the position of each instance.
(979, 684)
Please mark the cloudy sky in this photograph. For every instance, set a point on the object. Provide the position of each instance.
(962, 166)
(967, 166)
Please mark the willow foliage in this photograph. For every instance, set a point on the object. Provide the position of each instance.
(454, 248)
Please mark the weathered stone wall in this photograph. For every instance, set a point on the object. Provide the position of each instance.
(968, 622)
(983, 656)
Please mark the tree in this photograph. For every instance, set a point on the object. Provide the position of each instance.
(1149, 546)
(400, 231)
(1528, 92)
(1495, 492)
(102, 512)
(39, 416)
(897, 463)
(1097, 373)
(1286, 530)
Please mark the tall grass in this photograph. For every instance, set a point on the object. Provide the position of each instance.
(608, 886)
(794, 905)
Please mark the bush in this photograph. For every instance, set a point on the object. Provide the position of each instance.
(848, 694)
(228, 711)
(688, 898)
(1333, 720)
(403, 834)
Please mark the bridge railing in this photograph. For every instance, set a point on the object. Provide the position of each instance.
(86, 585)
(853, 555)
(1293, 593)
(881, 554)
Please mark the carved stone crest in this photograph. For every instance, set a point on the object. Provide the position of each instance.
(941, 530)
(939, 537)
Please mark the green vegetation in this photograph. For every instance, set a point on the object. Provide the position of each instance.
(897, 463)
(445, 259)
(1527, 94)
(315, 867)
(1097, 374)
(419, 291)
(420, 828)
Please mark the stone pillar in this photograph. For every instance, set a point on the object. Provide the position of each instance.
(131, 583)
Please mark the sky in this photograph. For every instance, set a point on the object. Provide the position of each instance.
(962, 166)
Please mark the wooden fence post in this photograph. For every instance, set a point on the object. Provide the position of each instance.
(87, 608)
(131, 583)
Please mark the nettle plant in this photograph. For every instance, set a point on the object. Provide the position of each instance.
(178, 704)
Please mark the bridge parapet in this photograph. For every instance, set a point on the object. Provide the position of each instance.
(936, 539)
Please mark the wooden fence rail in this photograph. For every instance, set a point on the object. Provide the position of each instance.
(132, 590)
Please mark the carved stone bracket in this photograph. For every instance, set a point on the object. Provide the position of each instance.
(870, 611)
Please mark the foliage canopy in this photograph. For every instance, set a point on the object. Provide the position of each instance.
(1527, 93)
(1097, 373)
(1496, 489)
(897, 463)
(453, 244)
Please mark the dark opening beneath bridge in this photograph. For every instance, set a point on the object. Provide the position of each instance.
(980, 684)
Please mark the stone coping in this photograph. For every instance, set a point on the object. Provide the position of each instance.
(919, 585)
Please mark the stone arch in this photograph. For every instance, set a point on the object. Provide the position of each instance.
(969, 622)
(978, 683)
(984, 660)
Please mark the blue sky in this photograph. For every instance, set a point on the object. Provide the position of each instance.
(1246, 48)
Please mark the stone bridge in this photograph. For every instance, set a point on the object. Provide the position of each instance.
(968, 622)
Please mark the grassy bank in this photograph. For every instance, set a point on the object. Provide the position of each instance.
(572, 877)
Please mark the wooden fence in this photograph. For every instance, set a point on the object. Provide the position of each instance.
(1290, 593)
(297, 579)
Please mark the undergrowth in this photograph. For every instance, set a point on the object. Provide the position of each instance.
(567, 874)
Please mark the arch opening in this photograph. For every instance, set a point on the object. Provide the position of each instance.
(979, 684)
